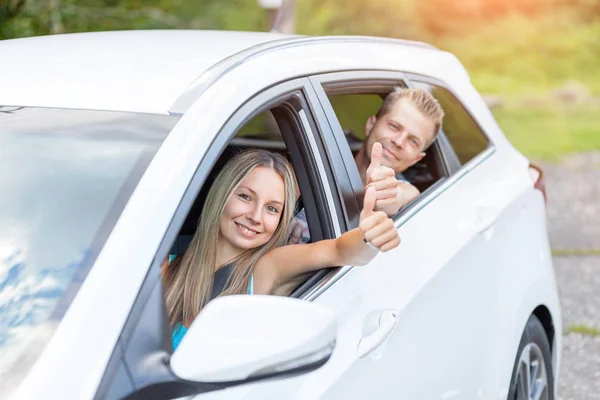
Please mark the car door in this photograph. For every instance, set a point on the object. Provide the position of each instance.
(136, 365)
(438, 287)
(415, 322)
(351, 296)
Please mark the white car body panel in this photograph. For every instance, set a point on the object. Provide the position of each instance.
(498, 198)
(139, 71)
(436, 269)
(451, 286)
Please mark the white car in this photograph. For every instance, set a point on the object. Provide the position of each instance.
(109, 142)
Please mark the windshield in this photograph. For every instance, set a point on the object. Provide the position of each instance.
(65, 176)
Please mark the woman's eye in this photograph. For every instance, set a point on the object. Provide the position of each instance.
(244, 196)
(272, 209)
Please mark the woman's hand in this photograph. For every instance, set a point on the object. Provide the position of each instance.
(348, 249)
(376, 227)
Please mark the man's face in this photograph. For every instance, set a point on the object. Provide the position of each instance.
(403, 134)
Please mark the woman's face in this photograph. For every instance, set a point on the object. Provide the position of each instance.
(253, 211)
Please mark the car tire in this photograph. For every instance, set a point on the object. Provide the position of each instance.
(532, 373)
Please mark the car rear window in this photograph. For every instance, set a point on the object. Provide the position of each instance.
(466, 137)
(65, 177)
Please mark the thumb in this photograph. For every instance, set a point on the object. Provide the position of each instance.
(368, 202)
(376, 155)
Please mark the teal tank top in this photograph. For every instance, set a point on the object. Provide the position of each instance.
(219, 281)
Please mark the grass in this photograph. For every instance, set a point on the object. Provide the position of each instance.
(518, 54)
(537, 65)
(575, 252)
(584, 330)
(548, 133)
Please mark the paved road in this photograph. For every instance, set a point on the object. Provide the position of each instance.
(579, 285)
(574, 224)
(573, 189)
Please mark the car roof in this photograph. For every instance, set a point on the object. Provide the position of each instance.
(137, 71)
(124, 70)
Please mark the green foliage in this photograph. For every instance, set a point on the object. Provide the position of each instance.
(549, 132)
(353, 110)
(584, 330)
(442, 17)
(389, 18)
(62, 16)
(515, 48)
(517, 55)
(520, 49)
(575, 252)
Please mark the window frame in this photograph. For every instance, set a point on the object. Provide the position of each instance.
(350, 82)
(273, 97)
(355, 82)
(448, 149)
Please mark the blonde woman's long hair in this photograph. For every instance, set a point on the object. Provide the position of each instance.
(188, 280)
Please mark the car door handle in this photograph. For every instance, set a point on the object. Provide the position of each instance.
(486, 219)
(387, 323)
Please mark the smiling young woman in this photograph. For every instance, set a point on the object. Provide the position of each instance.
(240, 245)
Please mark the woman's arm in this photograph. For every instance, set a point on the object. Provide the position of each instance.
(282, 264)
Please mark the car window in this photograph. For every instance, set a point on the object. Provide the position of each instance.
(281, 129)
(65, 176)
(261, 127)
(261, 131)
(352, 111)
(463, 133)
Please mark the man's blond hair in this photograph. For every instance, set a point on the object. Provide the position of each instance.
(422, 99)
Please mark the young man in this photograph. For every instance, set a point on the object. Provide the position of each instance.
(406, 124)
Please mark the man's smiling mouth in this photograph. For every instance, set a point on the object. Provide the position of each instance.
(391, 154)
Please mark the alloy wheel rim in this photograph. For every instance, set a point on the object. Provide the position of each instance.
(532, 379)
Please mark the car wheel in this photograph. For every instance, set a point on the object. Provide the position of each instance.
(532, 376)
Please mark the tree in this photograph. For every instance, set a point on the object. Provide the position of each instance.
(10, 9)
(43, 17)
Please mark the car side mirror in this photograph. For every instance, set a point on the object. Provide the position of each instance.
(241, 338)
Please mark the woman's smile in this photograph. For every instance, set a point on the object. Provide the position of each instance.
(245, 231)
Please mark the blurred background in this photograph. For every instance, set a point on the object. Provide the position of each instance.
(536, 63)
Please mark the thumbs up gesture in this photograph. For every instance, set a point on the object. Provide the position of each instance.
(376, 157)
(377, 228)
(389, 197)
